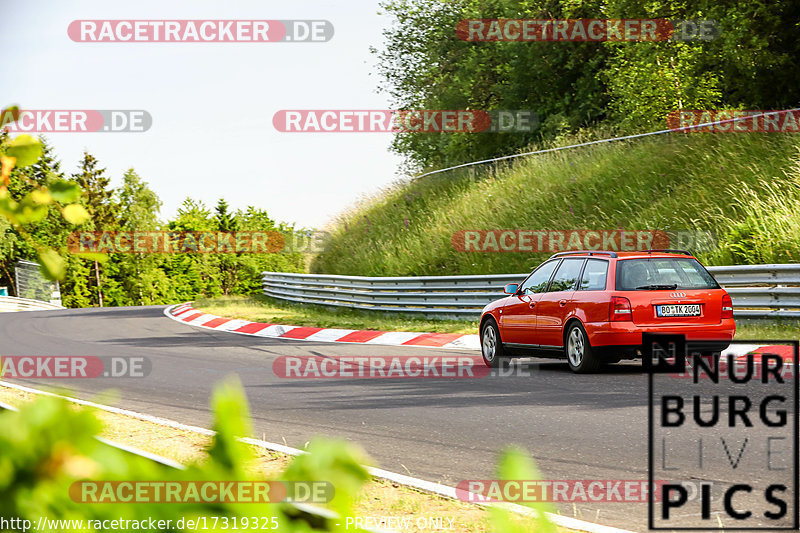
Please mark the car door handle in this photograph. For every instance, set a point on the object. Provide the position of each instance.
(531, 304)
(562, 303)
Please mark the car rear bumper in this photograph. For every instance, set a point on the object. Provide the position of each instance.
(628, 334)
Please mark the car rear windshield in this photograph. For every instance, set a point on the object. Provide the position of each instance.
(663, 273)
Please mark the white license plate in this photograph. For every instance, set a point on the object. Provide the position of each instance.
(678, 310)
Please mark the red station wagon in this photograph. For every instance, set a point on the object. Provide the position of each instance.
(593, 306)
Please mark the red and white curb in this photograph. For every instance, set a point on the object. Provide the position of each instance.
(786, 351)
(189, 315)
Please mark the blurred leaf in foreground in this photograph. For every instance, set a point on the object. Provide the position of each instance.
(25, 149)
(76, 214)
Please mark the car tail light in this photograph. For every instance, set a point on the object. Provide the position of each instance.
(620, 309)
(727, 306)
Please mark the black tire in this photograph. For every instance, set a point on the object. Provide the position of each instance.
(581, 357)
(492, 346)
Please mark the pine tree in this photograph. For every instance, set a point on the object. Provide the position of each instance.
(98, 199)
(225, 221)
(228, 263)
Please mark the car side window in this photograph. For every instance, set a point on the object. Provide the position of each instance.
(537, 282)
(567, 275)
(594, 275)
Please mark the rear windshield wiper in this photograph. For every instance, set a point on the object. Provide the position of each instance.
(657, 287)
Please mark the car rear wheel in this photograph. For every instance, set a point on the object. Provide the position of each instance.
(491, 346)
(580, 356)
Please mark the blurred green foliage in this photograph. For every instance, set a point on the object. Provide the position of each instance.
(40, 206)
(48, 445)
(632, 86)
(31, 205)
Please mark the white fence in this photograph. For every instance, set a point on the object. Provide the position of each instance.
(758, 291)
(11, 303)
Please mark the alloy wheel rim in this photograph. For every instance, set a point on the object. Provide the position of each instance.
(489, 343)
(575, 347)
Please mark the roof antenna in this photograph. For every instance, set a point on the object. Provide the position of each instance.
(660, 219)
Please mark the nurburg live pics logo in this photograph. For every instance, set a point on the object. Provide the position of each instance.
(732, 428)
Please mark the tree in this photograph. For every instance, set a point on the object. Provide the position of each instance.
(228, 263)
(224, 220)
(32, 182)
(138, 204)
(424, 65)
(251, 266)
(139, 274)
(8, 241)
(193, 274)
(749, 63)
(98, 198)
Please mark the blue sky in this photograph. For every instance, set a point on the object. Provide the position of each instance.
(212, 103)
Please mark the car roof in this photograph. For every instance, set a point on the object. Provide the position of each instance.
(646, 254)
(624, 255)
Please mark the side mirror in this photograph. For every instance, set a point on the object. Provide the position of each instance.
(511, 288)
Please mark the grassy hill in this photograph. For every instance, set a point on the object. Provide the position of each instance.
(744, 188)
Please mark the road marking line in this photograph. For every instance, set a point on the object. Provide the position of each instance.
(419, 484)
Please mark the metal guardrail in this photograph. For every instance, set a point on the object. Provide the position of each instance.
(758, 291)
(12, 303)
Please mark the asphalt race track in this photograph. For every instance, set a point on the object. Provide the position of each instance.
(442, 430)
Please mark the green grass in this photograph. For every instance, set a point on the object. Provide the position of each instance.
(259, 308)
(745, 188)
(765, 330)
(263, 309)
